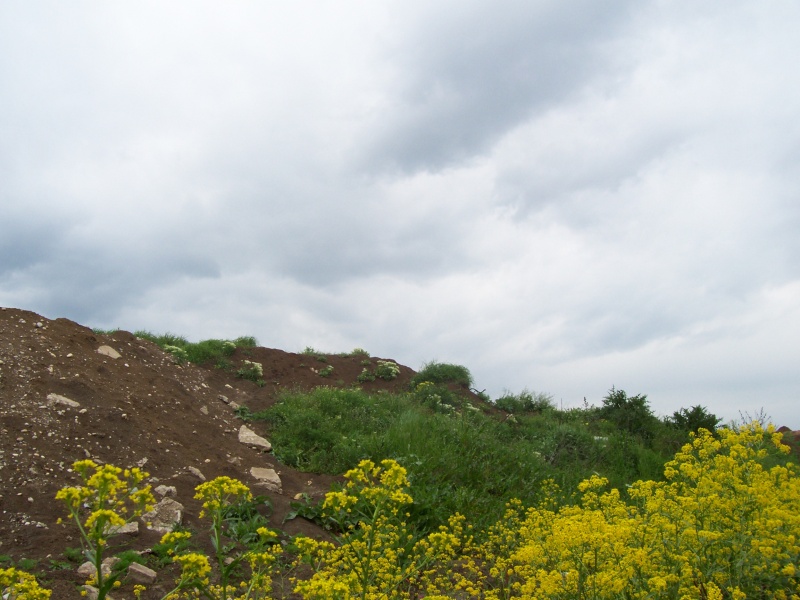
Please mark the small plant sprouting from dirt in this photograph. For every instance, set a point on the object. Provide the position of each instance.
(252, 371)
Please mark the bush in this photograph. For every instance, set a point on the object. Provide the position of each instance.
(525, 401)
(443, 373)
(694, 418)
(387, 370)
(630, 414)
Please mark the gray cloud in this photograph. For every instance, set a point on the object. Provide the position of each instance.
(472, 72)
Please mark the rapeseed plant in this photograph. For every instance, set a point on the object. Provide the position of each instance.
(20, 585)
(217, 496)
(376, 556)
(112, 497)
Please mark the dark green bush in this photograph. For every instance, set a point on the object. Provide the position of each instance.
(437, 372)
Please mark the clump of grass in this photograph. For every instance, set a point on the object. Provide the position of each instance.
(354, 353)
(252, 371)
(443, 373)
(316, 354)
(200, 353)
(525, 401)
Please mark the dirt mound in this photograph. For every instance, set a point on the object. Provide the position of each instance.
(67, 393)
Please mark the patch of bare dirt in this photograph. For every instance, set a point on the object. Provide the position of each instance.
(140, 408)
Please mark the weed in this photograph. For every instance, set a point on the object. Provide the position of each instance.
(27, 564)
(365, 376)
(251, 371)
(178, 354)
(60, 565)
(319, 356)
(113, 497)
(354, 353)
(325, 371)
(201, 353)
(387, 370)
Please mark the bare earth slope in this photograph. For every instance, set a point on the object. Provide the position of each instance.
(140, 408)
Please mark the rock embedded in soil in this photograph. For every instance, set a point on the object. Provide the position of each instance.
(267, 478)
(249, 437)
(164, 516)
(109, 351)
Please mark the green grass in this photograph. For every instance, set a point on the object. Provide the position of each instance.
(200, 353)
(458, 459)
(525, 401)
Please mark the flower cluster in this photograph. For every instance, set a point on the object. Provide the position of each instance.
(387, 370)
(722, 525)
(21, 585)
(260, 555)
(253, 371)
(377, 556)
(109, 498)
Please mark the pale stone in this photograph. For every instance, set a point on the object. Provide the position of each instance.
(131, 528)
(108, 351)
(92, 592)
(140, 574)
(166, 514)
(166, 490)
(248, 436)
(62, 400)
(267, 478)
(196, 472)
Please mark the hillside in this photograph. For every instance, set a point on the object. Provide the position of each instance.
(68, 393)
(138, 409)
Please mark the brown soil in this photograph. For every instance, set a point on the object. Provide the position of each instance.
(139, 406)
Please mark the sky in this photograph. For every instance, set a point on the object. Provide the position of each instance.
(564, 197)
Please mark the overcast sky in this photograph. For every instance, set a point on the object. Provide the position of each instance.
(561, 196)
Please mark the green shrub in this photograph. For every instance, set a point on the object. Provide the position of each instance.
(387, 370)
(437, 372)
(525, 401)
(365, 376)
(252, 371)
(630, 414)
(694, 418)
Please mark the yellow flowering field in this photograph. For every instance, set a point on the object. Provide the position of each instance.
(721, 525)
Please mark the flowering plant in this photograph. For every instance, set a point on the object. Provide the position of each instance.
(112, 497)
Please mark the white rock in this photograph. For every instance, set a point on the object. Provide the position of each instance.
(267, 478)
(196, 472)
(140, 574)
(166, 490)
(131, 528)
(62, 400)
(108, 351)
(248, 436)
